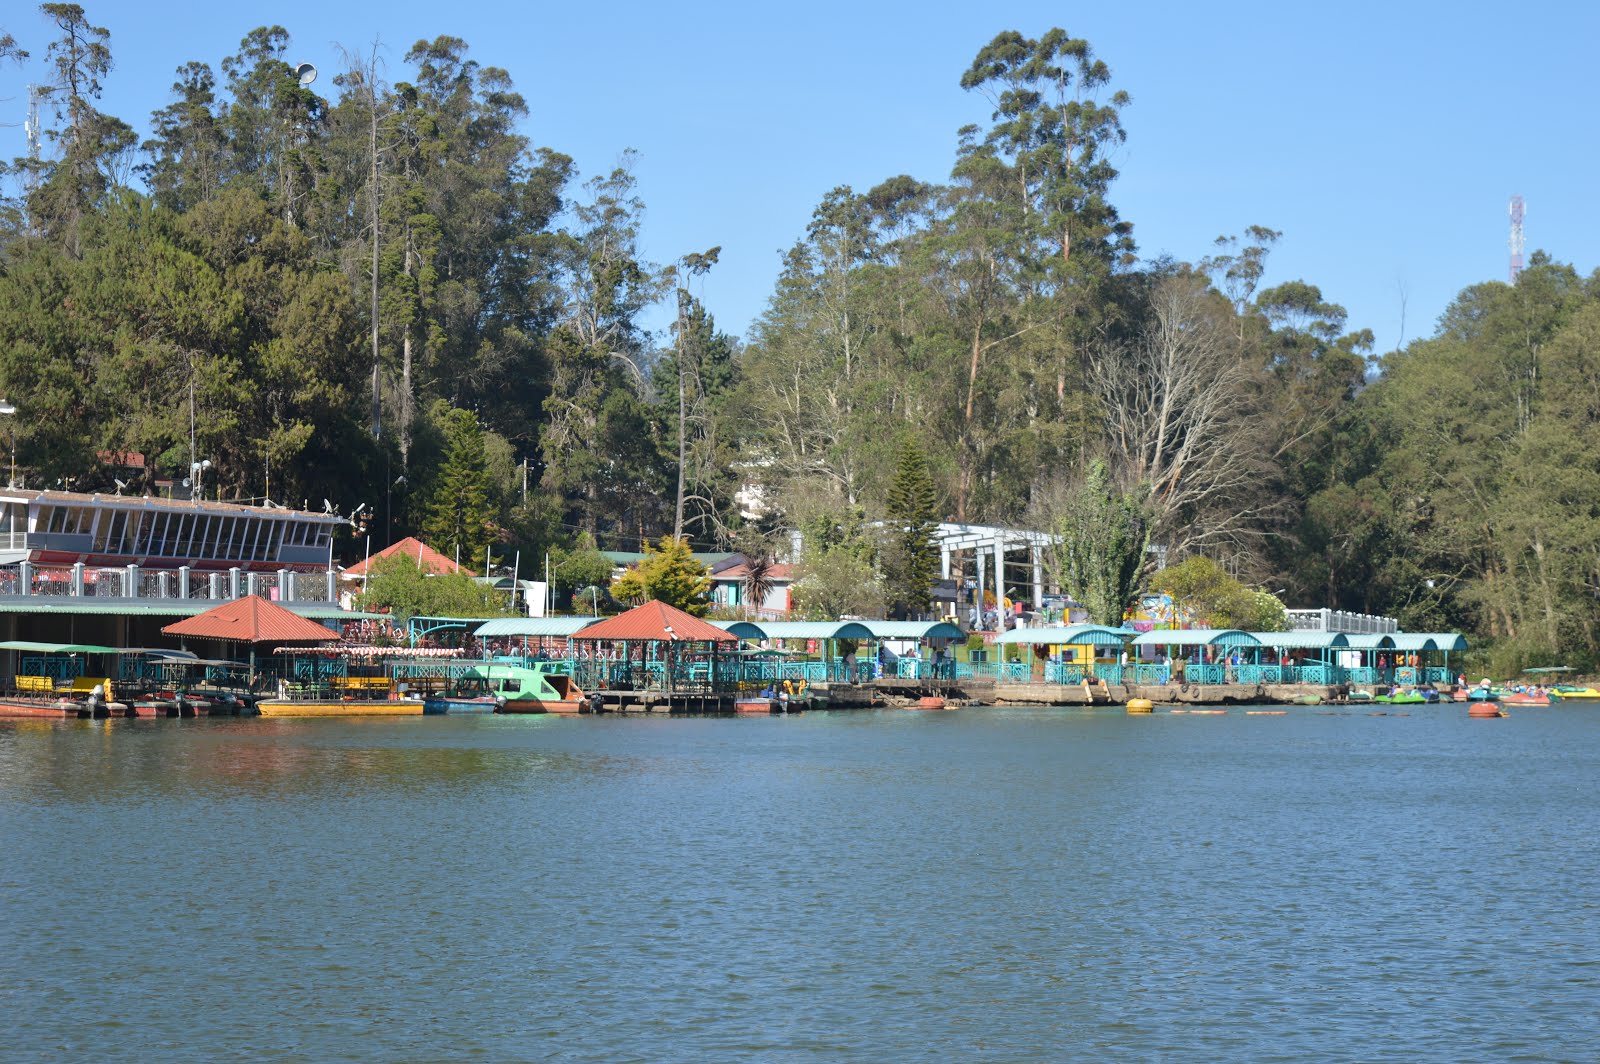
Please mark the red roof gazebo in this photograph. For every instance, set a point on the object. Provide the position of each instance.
(661, 648)
(253, 620)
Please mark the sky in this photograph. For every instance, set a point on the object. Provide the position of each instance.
(1383, 140)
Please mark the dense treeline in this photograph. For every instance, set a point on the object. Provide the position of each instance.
(389, 295)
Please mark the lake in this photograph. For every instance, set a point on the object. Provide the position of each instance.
(998, 884)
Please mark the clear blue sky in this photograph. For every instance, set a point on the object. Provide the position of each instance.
(1384, 140)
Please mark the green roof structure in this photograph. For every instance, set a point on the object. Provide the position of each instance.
(1068, 635)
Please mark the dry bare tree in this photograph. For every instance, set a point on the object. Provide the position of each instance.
(1177, 403)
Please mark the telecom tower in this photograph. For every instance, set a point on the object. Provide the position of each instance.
(1515, 243)
(30, 127)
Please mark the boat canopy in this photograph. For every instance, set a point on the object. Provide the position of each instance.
(1445, 641)
(1302, 640)
(532, 626)
(825, 630)
(1196, 637)
(61, 648)
(1069, 635)
(1370, 641)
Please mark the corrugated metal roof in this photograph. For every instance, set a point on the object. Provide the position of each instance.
(157, 502)
(90, 607)
(1069, 635)
(913, 630)
(797, 629)
(60, 648)
(1196, 637)
(251, 619)
(652, 621)
(1428, 641)
(1302, 640)
(532, 626)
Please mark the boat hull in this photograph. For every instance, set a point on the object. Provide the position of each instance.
(544, 705)
(338, 708)
(458, 705)
(63, 708)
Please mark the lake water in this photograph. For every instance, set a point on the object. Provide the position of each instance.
(981, 884)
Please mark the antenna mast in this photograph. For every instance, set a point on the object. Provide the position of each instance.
(31, 127)
(1515, 243)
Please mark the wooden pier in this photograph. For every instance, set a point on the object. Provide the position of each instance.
(679, 702)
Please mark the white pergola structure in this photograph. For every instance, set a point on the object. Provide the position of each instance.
(990, 541)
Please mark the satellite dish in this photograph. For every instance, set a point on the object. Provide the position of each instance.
(306, 73)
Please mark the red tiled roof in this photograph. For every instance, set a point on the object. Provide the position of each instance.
(252, 619)
(125, 459)
(651, 621)
(741, 572)
(411, 547)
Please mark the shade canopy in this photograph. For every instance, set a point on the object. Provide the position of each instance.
(251, 619)
(553, 627)
(61, 648)
(1303, 640)
(1370, 641)
(914, 630)
(1069, 635)
(655, 622)
(1196, 637)
(824, 630)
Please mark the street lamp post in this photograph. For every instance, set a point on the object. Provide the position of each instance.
(196, 470)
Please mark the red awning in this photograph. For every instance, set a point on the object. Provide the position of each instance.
(252, 619)
(658, 621)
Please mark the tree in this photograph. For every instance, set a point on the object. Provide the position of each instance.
(1173, 417)
(1204, 592)
(1100, 536)
(404, 589)
(669, 573)
(459, 517)
(911, 560)
(832, 582)
(581, 566)
(91, 142)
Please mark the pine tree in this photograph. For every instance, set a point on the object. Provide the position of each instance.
(459, 517)
(911, 562)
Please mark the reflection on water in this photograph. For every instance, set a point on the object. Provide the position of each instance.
(1006, 884)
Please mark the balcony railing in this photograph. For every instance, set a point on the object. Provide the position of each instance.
(133, 583)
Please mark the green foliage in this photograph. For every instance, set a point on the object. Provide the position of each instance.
(910, 557)
(832, 582)
(459, 519)
(581, 566)
(1099, 546)
(399, 586)
(1203, 590)
(669, 573)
